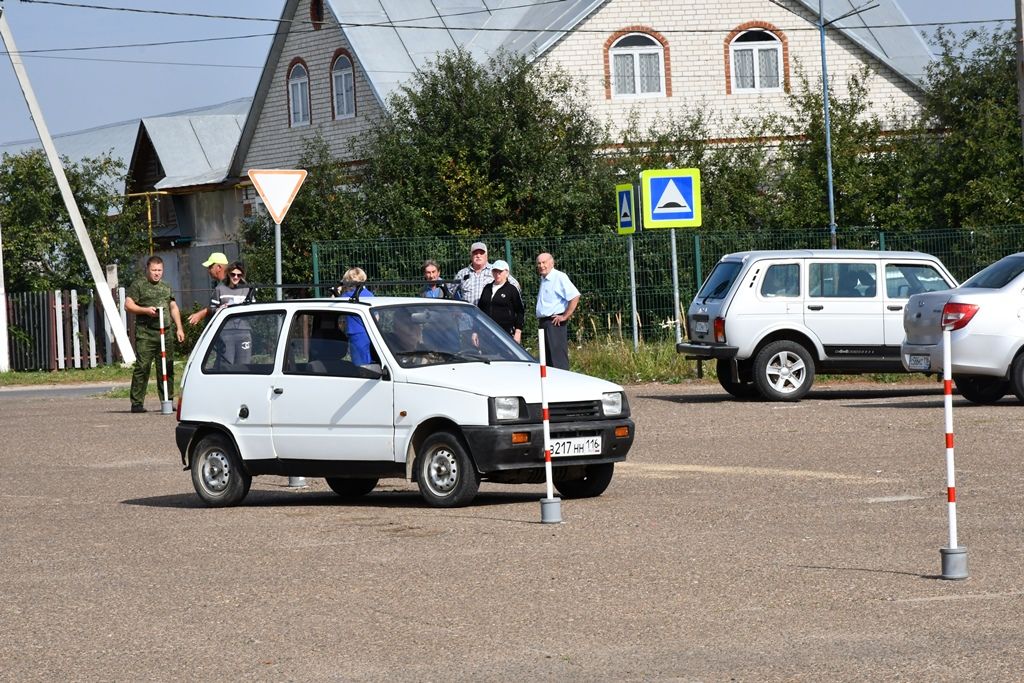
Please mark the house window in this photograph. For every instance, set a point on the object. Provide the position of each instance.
(298, 95)
(343, 84)
(756, 61)
(637, 62)
(316, 13)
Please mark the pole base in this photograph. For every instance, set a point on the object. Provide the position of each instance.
(166, 407)
(551, 510)
(954, 563)
(296, 482)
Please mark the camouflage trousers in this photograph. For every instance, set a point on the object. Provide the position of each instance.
(147, 351)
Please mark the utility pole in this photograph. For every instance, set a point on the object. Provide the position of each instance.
(109, 307)
(1019, 6)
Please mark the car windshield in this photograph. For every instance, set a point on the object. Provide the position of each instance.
(997, 275)
(720, 281)
(438, 333)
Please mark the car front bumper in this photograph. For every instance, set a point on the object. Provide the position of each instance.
(493, 451)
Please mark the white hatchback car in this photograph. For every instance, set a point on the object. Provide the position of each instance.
(986, 318)
(354, 390)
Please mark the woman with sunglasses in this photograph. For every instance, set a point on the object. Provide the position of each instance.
(235, 338)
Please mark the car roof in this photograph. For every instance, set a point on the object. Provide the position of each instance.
(825, 253)
(348, 303)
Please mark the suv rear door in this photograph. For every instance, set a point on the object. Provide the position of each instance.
(843, 306)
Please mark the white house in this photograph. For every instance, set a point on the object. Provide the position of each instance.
(334, 63)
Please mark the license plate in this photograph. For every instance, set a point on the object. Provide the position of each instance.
(700, 327)
(919, 362)
(577, 445)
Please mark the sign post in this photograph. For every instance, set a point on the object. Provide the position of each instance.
(626, 210)
(672, 200)
(277, 188)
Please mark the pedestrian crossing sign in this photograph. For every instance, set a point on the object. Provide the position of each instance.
(624, 209)
(671, 198)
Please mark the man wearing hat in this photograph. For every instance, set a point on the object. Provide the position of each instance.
(503, 302)
(216, 266)
(473, 278)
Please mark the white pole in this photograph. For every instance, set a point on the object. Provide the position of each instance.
(544, 416)
(76, 340)
(58, 325)
(163, 355)
(109, 308)
(5, 351)
(947, 383)
(90, 320)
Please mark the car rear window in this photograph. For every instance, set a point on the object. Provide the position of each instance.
(720, 281)
(998, 275)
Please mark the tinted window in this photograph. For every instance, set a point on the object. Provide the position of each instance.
(720, 281)
(782, 279)
(246, 343)
(841, 280)
(902, 280)
(998, 275)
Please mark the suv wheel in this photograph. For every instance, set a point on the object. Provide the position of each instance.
(744, 388)
(593, 483)
(217, 472)
(981, 389)
(783, 371)
(444, 473)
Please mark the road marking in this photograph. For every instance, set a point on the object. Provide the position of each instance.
(656, 470)
(895, 499)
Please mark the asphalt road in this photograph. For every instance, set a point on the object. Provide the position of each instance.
(741, 541)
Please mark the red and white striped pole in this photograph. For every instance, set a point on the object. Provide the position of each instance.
(550, 507)
(165, 404)
(954, 558)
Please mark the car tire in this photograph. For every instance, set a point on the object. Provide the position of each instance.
(593, 484)
(445, 474)
(783, 371)
(351, 488)
(981, 389)
(1017, 377)
(745, 388)
(217, 472)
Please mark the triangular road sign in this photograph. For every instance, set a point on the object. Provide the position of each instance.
(625, 211)
(277, 188)
(671, 200)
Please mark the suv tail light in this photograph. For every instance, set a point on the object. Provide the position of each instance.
(720, 330)
(956, 316)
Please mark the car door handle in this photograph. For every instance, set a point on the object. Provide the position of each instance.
(895, 308)
(816, 307)
(278, 390)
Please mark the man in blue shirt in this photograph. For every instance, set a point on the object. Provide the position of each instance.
(556, 302)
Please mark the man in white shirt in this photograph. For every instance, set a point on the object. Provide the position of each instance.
(556, 302)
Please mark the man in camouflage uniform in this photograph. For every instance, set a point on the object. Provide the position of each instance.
(145, 297)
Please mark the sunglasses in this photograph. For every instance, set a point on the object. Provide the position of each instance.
(236, 275)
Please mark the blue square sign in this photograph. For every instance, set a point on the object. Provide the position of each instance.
(671, 198)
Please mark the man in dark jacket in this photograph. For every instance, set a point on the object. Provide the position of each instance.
(502, 301)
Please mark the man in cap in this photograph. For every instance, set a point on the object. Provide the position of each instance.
(503, 302)
(557, 298)
(144, 298)
(216, 266)
(473, 278)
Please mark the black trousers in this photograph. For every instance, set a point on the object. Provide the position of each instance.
(556, 343)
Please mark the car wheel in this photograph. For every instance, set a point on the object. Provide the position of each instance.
(783, 371)
(745, 388)
(351, 488)
(1017, 377)
(444, 472)
(594, 482)
(217, 472)
(981, 389)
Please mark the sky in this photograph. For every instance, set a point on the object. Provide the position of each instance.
(82, 89)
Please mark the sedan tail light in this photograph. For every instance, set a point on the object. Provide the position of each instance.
(956, 316)
(720, 330)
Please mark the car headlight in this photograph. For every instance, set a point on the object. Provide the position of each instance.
(506, 407)
(611, 403)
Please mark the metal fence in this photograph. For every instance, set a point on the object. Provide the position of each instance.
(599, 264)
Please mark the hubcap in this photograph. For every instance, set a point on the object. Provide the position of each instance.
(442, 471)
(216, 471)
(786, 372)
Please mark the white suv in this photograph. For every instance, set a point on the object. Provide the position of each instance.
(772, 319)
(354, 390)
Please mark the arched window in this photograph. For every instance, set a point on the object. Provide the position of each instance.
(343, 84)
(637, 66)
(298, 95)
(756, 58)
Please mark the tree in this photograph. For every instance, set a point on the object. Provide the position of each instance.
(41, 250)
(502, 147)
